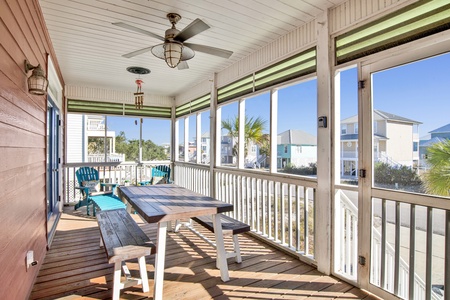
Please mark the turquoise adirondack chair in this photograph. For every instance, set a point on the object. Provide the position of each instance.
(161, 171)
(89, 184)
(160, 174)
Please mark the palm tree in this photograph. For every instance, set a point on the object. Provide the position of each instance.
(253, 131)
(437, 179)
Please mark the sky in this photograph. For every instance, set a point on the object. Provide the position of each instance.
(419, 91)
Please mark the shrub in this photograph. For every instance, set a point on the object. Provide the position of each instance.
(402, 175)
(309, 170)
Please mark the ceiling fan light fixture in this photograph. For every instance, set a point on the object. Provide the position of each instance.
(172, 53)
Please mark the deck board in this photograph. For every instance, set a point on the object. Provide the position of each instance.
(76, 267)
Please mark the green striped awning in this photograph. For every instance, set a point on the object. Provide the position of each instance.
(193, 106)
(413, 22)
(111, 108)
(285, 70)
(235, 89)
(293, 67)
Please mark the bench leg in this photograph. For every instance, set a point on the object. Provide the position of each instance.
(143, 271)
(221, 261)
(237, 249)
(116, 281)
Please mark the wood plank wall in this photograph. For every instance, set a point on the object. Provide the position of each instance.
(23, 35)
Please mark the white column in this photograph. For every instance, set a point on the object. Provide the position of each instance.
(199, 137)
(186, 139)
(323, 196)
(273, 130)
(175, 140)
(214, 137)
(241, 140)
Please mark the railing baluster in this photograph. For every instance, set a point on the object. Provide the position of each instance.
(275, 211)
(412, 250)
(264, 204)
(290, 215)
(397, 248)
(252, 201)
(258, 205)
(383, 244)
(429, 259)
(305, 221)
(283, 213)
(269, 208)
(447, 255)
(297, 217)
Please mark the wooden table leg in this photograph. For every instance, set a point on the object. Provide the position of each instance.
(159, 261)
(221, 262)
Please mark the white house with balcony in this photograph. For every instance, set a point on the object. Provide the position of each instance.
(396, 141)
(82, 128)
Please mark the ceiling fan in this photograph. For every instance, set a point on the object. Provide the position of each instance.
(174, 50)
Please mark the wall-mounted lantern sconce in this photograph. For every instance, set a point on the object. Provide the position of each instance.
(37, 83)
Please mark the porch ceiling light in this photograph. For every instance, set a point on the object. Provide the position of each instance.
(37, 82)
(172, 52)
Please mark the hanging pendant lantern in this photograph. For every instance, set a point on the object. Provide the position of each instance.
(139, 95)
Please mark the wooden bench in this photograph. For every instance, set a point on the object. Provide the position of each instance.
(123, 239)
(229, 226)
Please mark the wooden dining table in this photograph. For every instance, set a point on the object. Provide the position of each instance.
(164, 203)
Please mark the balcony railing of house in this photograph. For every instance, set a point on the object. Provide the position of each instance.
(279, 209)
(113, 157)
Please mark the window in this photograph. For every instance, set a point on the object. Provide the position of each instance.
(415, 146)
(227, 116)
(355, 126)
(375, 127)
(297, 128)
(344, 129)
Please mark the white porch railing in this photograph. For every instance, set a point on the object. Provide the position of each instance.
(194, 177)
(346, 235)
(280, 209)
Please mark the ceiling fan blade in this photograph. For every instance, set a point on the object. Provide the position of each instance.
(192, 29)
(139, 30)
(210, 50)
(183, 65)
(137, 52)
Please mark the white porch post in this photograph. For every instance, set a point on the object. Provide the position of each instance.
(175, 138)
(273, 130)
(214, 137)
(186, 139)
(241, 139)
(323, 200)
(199, 138)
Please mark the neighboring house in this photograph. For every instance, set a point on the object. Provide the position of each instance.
(227, 143)
(81, 129)
(297, 148)
(396, 142)
(436, 136)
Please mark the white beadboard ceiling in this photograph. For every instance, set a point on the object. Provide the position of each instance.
(89, 48)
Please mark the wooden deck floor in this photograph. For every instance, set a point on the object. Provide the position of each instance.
(76, 268)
